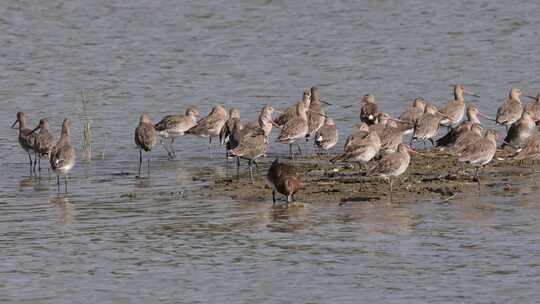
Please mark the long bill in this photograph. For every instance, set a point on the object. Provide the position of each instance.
(35, 129)
(325, 102)
(485, 116)
(471, 93)
(318, 113)
(13, 125)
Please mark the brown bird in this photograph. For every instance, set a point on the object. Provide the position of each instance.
(63, 155)
(232, 124)
(315, 120)
(241, 135)
(291, 111)
(265, 121)
(283, 179)
(531, 149)
(511, 110)
(369, 109)
(295, 128)
(520, 131)
(480, 152)
(172, 126)
(145, 138)
(472, 118)
(466, 138)
(327, 136)
(211, 125)
(361, 131)
(427, 127)
(251, 146)
(534, 108)
(454, 110)
(361, 147)
(413, 114)
(26, 137)
(43, 143)
(392, 165)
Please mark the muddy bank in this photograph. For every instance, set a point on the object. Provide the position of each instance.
(433, 175)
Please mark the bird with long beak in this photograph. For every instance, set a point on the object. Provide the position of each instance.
(315, 121)
(511, 110)
(43, 143)
(393, 165)
(295, 128)
(291, 111)
(472, 118)
(455, 109)
(172, 126)
(480, 152)
(145, 138)
(211, 125)
(63, 155)
(26, 136)
(427, 127)
(250, 141)
(413, 113)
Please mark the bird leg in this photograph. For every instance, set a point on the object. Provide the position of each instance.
(148, 161)
(237, 166)
(273, 197)
(291, 155)
(250, 171)
(140, 161)
(256, 166)
(30, 157)
(299, 149)
(65, 183)
(35, 158)
(476, 177)
(58, 182)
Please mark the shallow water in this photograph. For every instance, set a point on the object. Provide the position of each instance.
(114, 238)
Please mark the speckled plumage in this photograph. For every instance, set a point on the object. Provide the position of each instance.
(291, 112)
(327, 136)
(177, 125)
(520, 131)
(211, 125)
(511, 110)
(531, 149)
(26, 136)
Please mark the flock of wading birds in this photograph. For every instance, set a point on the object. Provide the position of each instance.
(378, 139)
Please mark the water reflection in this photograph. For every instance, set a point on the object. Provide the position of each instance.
(65, 208)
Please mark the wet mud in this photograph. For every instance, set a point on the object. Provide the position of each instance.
(433, 175)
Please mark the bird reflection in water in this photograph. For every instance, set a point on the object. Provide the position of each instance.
(65, 208)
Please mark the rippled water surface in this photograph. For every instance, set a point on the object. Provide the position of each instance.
(117, 239)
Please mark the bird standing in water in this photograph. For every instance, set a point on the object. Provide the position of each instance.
(284, 179)
(63, 155)
(26, 137)
(43, 144)
(145, 138)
